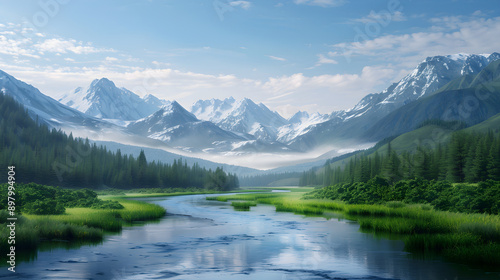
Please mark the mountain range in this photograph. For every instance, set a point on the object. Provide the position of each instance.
(239, 128)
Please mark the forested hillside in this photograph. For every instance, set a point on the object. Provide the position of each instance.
(468, 157)
(53, 158)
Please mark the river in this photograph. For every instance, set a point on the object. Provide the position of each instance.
(202, 239)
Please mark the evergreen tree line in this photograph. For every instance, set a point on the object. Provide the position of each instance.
(467, 157)
(51, 157)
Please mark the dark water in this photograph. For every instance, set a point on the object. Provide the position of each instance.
(203, 239)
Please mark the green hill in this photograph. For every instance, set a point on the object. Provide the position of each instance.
(429, 136)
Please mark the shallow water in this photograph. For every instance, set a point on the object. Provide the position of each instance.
(202, 239)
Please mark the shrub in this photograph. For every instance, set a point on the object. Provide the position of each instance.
(44, 207)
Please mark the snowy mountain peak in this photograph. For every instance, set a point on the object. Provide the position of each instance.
(299, 124)
(169, 115)
(174, 106)
(102, 82)
(102, 99)
(242, 116)
(434, 72)
(298, 117)
(493, 57)
(458, 56)
(154, 101)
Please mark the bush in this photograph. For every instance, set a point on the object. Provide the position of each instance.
(47, 200)
(44, 207)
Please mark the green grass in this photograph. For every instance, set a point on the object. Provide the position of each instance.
(107, 219)
(243, 205)
(77, 224)
(30, 232)
(459, 237)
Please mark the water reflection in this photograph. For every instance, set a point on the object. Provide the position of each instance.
(208, 240)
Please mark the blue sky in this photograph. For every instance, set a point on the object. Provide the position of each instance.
(314, 55)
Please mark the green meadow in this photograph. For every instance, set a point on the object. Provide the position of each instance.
(459, 237)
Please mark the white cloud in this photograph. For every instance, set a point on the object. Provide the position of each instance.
(69, 59)
(111, 59)
(16, 47)
(325, 93)
(448, 35)
(382, 17)
(322, 59)
(321, 3)
(478, 13)
(243, 4)
(276, 58)
(63, 46)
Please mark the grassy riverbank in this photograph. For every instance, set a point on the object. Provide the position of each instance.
(107, 219)
(459, 237)
(76, 224)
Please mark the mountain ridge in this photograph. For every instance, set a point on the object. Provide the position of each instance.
(430, 75)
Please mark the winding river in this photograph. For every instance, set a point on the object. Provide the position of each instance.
(202, 239)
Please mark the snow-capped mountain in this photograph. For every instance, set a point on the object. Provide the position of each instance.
(447, 104)
(42, 107)
(175, 125)
(169, 115)
(430, 75)
(102, 99)
(299, 124)
(298, 117)
(243, 116)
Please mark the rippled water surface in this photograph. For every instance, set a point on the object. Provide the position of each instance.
(202, 239)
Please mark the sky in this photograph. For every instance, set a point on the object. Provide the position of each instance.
(309, 55)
